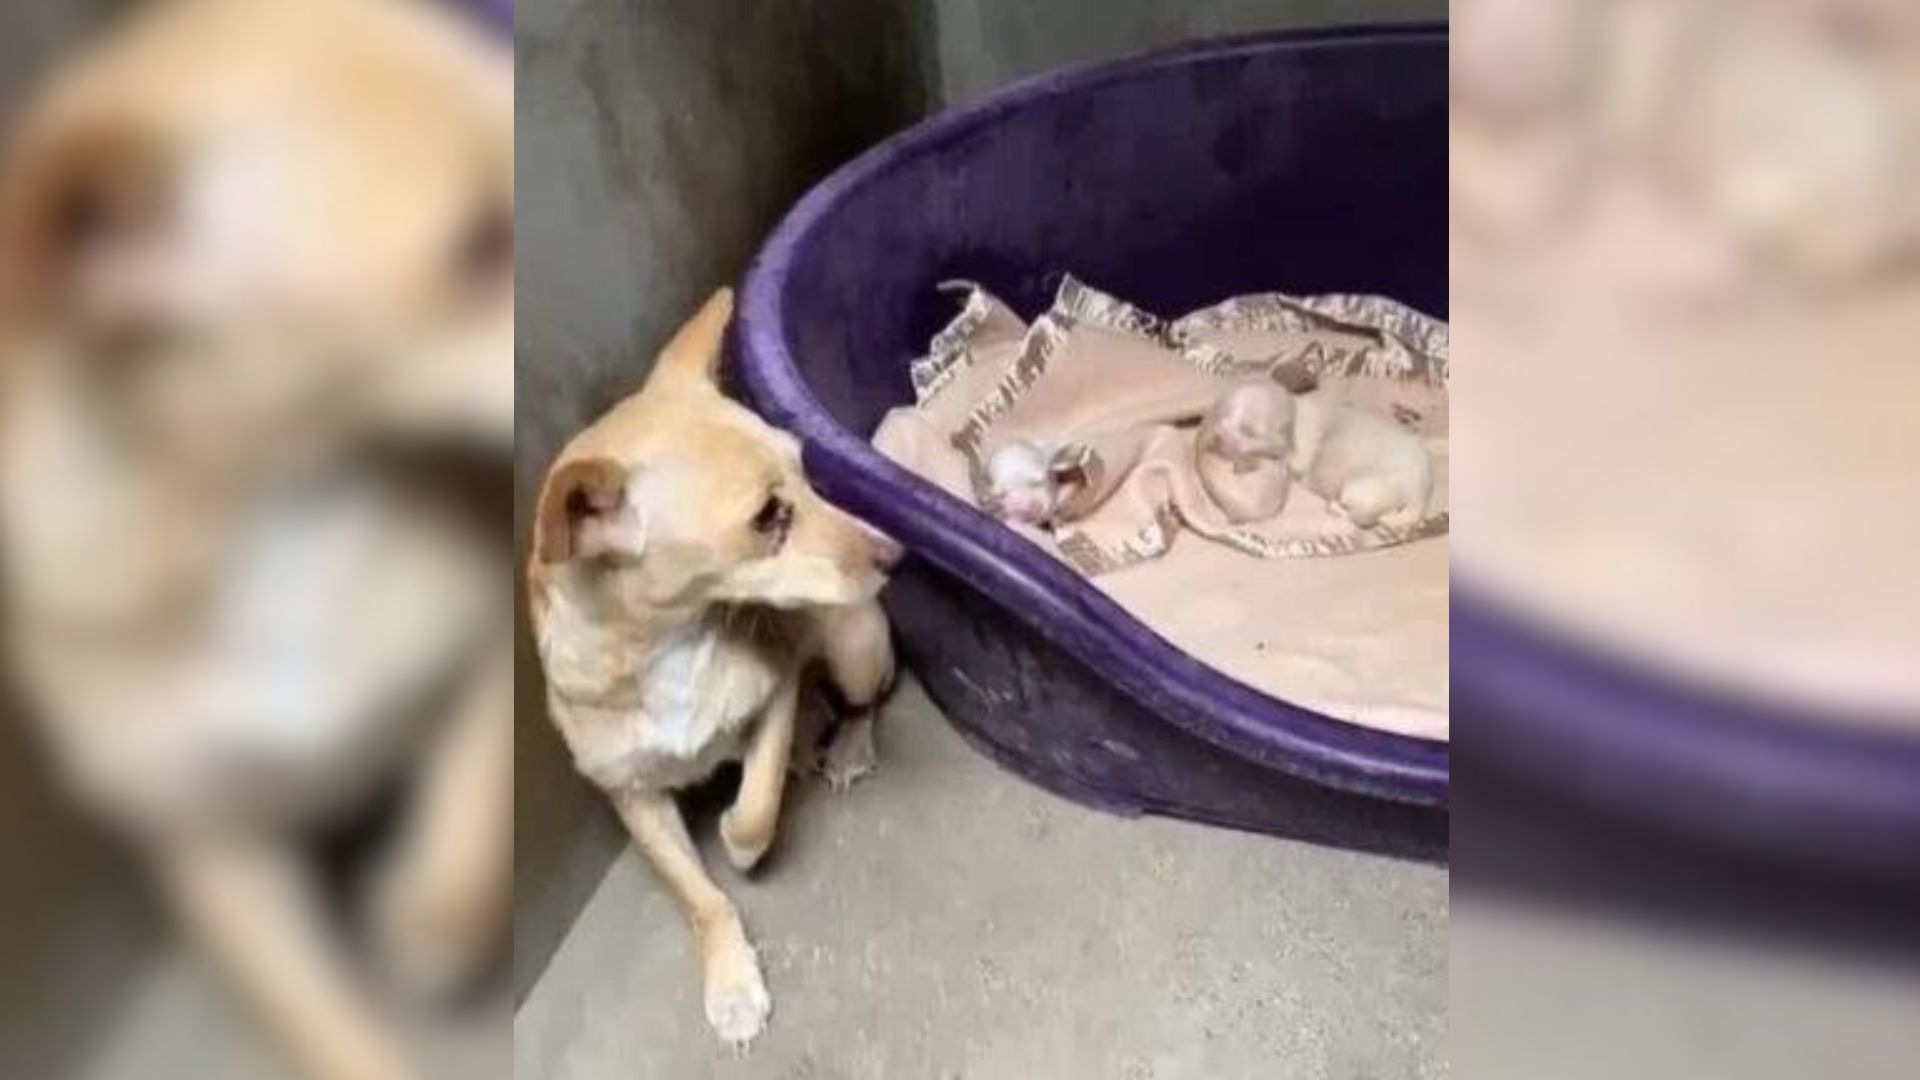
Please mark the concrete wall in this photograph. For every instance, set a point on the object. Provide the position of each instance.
(32, 34)
(658, 144)
(983, 44)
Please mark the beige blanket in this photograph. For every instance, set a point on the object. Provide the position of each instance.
(1362, 637)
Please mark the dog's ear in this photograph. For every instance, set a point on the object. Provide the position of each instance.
(579, 500)
(693, 356)
(79, 199)
(1295, 377)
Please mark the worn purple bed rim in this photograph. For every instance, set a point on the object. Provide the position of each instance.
(1754, 775)
(498, 14)
(1023, 581)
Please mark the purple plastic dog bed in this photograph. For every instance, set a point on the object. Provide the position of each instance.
(1651, 751)
(1308, 162)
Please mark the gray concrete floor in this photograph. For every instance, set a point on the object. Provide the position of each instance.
(946, 920)
(180, 1021)
(1538, 992)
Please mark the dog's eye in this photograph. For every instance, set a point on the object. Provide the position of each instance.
(773, 519)
(81, 219)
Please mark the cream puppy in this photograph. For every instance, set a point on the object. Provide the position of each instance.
(1241, 451)
(684, 581)
(1370, 470)
(1023, 484)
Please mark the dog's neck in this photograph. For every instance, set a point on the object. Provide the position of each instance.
(601, 651)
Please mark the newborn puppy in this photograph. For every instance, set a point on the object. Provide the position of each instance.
(1370, 470)
(1241, 451)
(1022, 482)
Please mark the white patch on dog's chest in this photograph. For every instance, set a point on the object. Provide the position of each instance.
(680, 720)
(696, 695)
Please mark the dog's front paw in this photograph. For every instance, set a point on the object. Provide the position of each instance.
(850, 757)
(737, 1001)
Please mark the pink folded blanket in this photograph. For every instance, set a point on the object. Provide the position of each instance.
(1118, 397)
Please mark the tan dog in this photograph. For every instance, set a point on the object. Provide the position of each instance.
(683, 579)
(241, 245)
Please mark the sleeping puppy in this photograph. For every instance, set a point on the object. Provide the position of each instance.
(683, 580)
(248, 251)
(1241, 449)
(1025, 483)
(1370, 470)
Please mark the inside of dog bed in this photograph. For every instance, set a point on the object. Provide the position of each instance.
(1360, 635)
(1361, 639)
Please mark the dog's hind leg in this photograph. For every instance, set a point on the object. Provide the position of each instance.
(749, 825)
(440, 902)
(251, 907)
(858, 653)
(1365, 500)
(737, 1004)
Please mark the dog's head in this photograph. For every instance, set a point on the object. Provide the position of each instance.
(1251, 422)
(680, 498)
(233, 217)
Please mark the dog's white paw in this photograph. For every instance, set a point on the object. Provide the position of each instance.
(737, 1001)
(850, 757)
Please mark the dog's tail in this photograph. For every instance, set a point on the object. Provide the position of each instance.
(694, 353)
